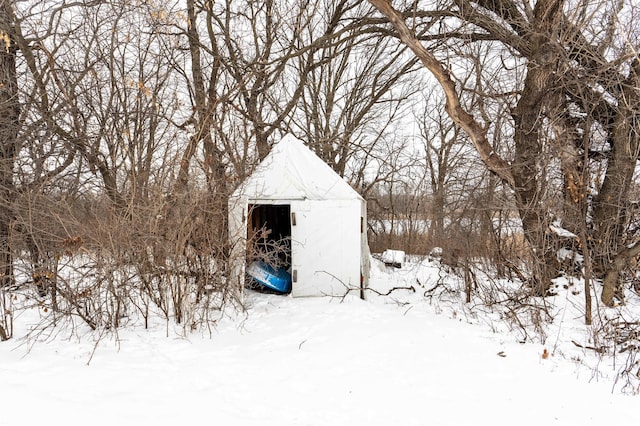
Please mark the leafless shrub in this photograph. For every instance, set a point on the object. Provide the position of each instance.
(108, 268)
(6, 315)
(274, 252)
(621, 339)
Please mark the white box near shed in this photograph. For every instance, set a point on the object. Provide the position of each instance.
(394, 258)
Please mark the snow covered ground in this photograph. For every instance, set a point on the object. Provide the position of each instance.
(401, 359)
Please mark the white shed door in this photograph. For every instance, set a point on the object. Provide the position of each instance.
(325, 247)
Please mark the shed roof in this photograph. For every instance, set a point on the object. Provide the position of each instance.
(291, 171)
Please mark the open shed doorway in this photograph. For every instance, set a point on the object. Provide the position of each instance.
(269, 235)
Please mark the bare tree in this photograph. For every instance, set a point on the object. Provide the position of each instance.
(568, 89)
(447, 165)
(355, 94)
(9, 129)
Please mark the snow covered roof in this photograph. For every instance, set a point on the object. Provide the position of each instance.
(291, 171)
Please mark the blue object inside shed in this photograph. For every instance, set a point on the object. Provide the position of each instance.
(276, 279)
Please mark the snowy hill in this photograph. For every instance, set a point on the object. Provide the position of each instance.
(401, 359)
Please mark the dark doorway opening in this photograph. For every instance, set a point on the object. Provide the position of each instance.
(269, 235)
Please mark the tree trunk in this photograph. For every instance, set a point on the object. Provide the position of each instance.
(611, 207)
(611, 204)
(539, 90)
(205, 99)
(610, 282)
(9, 126)
(527, 186)
(436, 230)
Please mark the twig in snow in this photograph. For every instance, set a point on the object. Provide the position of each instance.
(601, 350)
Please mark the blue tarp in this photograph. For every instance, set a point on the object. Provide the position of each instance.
(274, 279)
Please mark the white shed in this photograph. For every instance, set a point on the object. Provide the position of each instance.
(299, 198)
